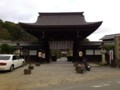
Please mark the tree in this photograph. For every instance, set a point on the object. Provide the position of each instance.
(4, 34)
(5, 48)
(86, 39)
(12, 31)
(1, 23)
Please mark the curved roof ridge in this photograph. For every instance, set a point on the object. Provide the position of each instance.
(81, 13)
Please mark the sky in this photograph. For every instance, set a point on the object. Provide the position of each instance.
(94, 10)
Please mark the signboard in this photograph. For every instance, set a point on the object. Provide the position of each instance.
(111, 55)
(39, 54)
(43, 55)
(80, 53)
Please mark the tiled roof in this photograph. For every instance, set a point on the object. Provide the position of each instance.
(61, 26)
(109, 37)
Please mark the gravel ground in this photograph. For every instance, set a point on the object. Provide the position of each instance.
(55, 73)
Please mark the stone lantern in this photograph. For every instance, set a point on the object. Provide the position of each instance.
(18, 50)
(103, 52)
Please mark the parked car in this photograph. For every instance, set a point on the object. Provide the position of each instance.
(10, 62)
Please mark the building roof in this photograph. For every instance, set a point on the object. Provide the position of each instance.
(66, 25)
(60, 19)
(109, 37)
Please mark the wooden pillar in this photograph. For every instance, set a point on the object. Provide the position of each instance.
(75, 50)
(46, 49)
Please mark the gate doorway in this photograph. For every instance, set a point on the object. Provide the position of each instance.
(61, 49)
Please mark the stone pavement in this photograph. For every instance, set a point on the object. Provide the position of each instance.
(55, 73)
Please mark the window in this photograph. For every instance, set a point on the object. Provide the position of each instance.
(4, 57)
(32, 52)
(14, 57)
(89, 52)
(97, 52)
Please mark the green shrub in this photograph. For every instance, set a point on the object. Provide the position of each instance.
(110, 47)
(5, 48)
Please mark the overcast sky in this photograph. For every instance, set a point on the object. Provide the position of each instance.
(94, 10)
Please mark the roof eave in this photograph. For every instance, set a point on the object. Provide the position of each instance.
(94, 24)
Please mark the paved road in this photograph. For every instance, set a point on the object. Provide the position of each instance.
(111, 84)
(61, 75)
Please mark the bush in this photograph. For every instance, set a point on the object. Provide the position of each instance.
(5, 48)
(110, 47)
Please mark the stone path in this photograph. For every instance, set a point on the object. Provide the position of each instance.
(55, 73)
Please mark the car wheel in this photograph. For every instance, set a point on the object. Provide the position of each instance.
(11, 68)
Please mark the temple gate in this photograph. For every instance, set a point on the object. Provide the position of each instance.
(61, 31)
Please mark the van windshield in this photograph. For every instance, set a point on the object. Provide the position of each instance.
(4, 57)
